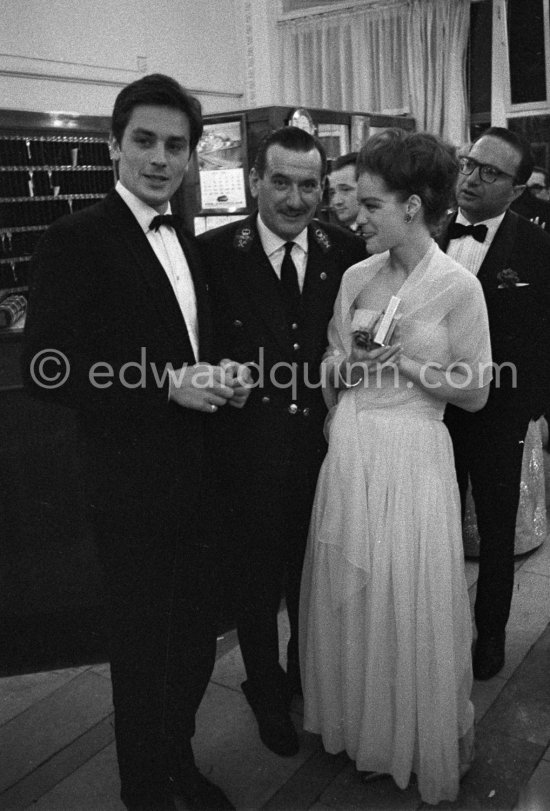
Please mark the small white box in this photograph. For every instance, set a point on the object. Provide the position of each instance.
(387, 319)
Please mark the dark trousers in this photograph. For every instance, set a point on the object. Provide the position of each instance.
(489, 451)
(263, 560)
(161, 587)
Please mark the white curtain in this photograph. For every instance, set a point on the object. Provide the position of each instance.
(406, 56)
(437, 44)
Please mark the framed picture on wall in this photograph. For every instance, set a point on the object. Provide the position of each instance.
(221, 156)
(335, 139)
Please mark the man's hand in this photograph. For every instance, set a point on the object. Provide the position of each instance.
(237, 376)
(201, 387)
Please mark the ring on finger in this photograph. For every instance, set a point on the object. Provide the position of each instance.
(213, 407)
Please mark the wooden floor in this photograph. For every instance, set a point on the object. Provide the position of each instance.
(57, 751)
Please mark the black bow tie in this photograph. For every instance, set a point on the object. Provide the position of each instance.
(170, 220)
(478, 232)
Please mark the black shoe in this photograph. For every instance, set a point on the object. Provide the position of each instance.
(198, 793)
(274, 724)
(488, 656)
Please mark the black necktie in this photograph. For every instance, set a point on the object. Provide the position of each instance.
(457, 230)
(170, 220)
(289, 277)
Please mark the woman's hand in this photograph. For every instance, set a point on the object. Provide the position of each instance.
(363, 362)
(373, 358)
(365, 352)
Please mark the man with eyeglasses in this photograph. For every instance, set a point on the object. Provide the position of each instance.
(511, 258)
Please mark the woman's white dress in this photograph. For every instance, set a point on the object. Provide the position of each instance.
(385, 617)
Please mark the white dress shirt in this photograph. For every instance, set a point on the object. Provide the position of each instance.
(168, 251)
(468, 251)
(274, 248)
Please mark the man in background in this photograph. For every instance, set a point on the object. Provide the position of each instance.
(538, 183)
(511, 258)
(342, 193)
(274, 279)
(533, 203)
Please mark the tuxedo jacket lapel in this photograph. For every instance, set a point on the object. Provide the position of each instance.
(143, 259)
(498, 255)
(201, 293)
(442, 236)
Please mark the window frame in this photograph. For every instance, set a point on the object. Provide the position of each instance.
(531, 107)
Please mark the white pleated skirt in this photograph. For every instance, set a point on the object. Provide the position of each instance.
(386, 628)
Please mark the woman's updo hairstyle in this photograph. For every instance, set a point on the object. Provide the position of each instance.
(413, 163)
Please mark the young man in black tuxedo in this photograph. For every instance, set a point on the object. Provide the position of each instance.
(119, 329)
(511, 258)
(274, 278)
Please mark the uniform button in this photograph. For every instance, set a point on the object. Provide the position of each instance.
(266, 400)
(295, 347)
(295, 326)
(237, 323)
(293, 408)
(323, 275)
(305, 412)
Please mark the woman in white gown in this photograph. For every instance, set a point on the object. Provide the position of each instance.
(385, 617)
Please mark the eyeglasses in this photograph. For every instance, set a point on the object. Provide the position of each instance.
(536, 187)
(487, 173)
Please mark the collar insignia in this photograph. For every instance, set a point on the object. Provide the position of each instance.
(321, 237)
(244, 237)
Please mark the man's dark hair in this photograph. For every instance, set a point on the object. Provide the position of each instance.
(294, 139)
(161, 91)
(519, 143)
(413, 163)
(349, 159)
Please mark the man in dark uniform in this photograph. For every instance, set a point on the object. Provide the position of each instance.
(274, 278)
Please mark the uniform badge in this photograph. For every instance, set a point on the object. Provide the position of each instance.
(322, 238)
(244, 237)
